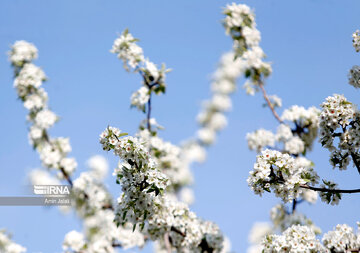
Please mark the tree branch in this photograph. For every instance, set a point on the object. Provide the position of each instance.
(356, 162)
(149, 113)
(329, 190)
(167, 242)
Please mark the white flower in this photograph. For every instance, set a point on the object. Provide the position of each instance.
(309, 196)
(356, 40)
(192, 151)
(21, 52)
(341, 239)
(45, 119)
(221, 102)
(74, 240)
(127, 50)
(275, 101)
(98, 165)
(140, 97)
(283, 133)
(260, 139)
(29, 76)
(258, 231)
(279, 172)
(8, 246)
(41, 177)
(296, 238)
(36, 100)
(339, 118)
(187, 195)
(151, 69)
(68, 164)
(206, 135)
(294, 145)
(354, 76)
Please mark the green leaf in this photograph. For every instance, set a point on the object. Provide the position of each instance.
(124, 215)
(122, 134)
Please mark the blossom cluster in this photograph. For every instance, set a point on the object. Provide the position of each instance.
(8, 246)
(188, 233)
(342, 239)
(168, 158)
(340, 118)
(260, 139)
(145, 204)
(133, 58)
(240, 24)
(279, 172)
(354, 76)
(281, 219)
(356, 40)
(141, 181)
(212, 116)
(306, 123)
(22, 52)
(296, 238)
(102, 235)
(257, 233)
(28, 81)
(90, 199)
(89, 194)
(93, 204)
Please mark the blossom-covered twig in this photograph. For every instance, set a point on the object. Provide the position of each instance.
(144, 201)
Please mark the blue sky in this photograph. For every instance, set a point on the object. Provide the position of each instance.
(308, 42)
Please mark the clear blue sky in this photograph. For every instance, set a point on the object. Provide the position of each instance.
(309, 43)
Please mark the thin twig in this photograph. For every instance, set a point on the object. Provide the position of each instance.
(294, 205)
(266, 97)
(149, 113)
(66, 176)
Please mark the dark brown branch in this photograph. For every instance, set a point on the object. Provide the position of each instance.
(329, 190)
(355, 160)
(66, 176)
(294, 205)
(116, 245)
(167, 242)
(174, 229)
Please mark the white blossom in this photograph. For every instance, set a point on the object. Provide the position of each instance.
(342, 239)
(260, 139)
(140, 97)
(21, 52)
(297, 238)
(187, 195)
(127, 50)
(8, 246)
(354, 76)
(98, 165)
(280, 173)
(45, 119)
(356, 40)
(206, 135)
(340, 118)
(74, 241)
